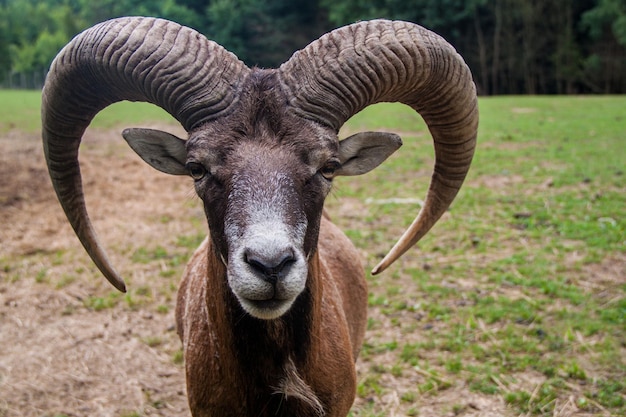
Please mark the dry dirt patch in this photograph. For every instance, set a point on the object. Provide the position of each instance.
(58, 357)
(86, 363)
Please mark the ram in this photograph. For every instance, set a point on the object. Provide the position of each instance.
(272, 306)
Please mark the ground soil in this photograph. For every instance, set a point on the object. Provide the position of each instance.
(58, 357)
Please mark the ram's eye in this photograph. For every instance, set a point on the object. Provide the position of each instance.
(196, 171)
(328, 170)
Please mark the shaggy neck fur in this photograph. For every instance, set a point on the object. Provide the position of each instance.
(264, 355)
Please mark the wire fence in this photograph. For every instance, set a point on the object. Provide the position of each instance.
(24, 80)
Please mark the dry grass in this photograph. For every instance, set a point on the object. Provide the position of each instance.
(61, 351)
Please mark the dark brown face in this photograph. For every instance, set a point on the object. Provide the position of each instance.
(263, 186)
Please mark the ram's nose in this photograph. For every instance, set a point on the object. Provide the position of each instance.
(270, 266)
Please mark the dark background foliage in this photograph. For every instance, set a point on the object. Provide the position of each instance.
(512, 46)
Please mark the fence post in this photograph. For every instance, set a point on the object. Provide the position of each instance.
(32, 80)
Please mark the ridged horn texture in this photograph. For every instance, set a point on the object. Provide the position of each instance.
(136, 59)
(350, 68)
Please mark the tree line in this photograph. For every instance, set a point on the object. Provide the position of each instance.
(512, 46)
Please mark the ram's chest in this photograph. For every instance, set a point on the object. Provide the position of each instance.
(261, 384)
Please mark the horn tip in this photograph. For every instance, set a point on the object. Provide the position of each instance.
(382, 265)
(117, 282)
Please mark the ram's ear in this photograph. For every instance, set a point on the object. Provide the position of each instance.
(362, 152)
(161, 150)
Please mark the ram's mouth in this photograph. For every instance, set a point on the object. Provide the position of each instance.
(268, 309)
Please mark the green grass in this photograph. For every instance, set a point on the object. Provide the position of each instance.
(21, 110)
(525, 276)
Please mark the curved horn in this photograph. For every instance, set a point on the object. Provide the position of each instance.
(136, 59)
(350, 68)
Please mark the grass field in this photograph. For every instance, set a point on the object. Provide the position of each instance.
(516, 300)
(21, 110)
(526, 278)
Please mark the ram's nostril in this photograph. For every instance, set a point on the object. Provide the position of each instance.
(287, 260)
(270, 267)
(256, 264)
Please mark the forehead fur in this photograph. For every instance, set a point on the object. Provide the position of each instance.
(263, 115)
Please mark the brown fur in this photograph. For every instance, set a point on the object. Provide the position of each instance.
(240, 366)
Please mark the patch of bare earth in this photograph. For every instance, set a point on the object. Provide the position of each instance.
(58, 357)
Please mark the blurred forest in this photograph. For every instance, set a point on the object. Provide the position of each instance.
(512, 46)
